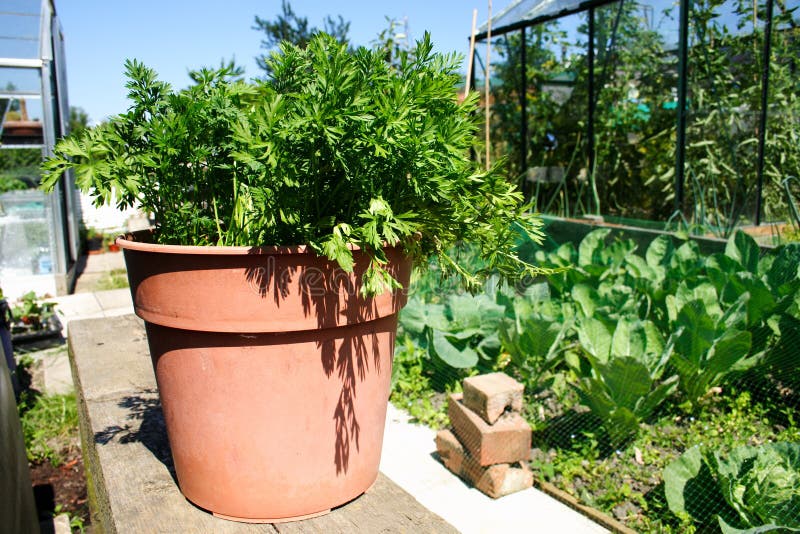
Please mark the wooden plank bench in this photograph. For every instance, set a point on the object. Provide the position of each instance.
(128, 464)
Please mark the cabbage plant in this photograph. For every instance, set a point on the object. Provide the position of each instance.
(750, 490)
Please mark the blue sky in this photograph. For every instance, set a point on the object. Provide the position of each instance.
(173, 36)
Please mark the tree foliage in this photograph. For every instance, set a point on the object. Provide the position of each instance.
(289, 27)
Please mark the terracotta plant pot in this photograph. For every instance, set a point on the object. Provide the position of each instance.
(273, 373)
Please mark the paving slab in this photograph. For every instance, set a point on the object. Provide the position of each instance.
(114, 299)
(100, 263)
(57, 375)
(111, 303)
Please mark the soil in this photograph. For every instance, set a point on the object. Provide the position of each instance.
(62, 488)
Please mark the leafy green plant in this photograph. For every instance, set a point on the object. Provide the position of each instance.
(750, 490)
(627, 360)
(707, 348)
(338, 150)
(10, 183)
(49, 423)
(31, 310)
(647, 299)
(534, 338)
(461, 332)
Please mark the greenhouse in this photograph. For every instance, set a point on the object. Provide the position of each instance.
(652, 111)
(38, 231)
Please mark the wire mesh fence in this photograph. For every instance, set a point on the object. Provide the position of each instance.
(660, 379)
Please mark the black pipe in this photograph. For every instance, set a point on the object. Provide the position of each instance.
(762, 129)
(683, 70)
(523, 102)
(590, 89)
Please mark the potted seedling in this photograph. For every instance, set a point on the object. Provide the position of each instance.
(288, 215)
(110, 243)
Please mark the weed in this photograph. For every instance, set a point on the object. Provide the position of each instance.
(76, 523)
(48, 424)
(412, 388)
(114, 279)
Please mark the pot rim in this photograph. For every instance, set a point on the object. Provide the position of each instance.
(141, 241)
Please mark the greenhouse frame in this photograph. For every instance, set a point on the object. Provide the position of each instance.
(651, 110)
(39, 237)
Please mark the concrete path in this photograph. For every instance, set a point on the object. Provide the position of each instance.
(94, 267)
(408, 458)
(55, 363)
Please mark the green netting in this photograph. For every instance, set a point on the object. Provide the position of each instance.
(661, 376)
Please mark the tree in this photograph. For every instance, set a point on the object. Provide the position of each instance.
(288, 26)
(78, 119)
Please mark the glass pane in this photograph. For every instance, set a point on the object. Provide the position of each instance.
(558, 104)
(15, 80)
(635, 113)
(781, 198)
(19, 35)
(22, 6)
(22, 122)
(515, 12)
(724, 103)
(24, 234)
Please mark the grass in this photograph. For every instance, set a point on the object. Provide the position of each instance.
(49, 425)
(113, 279)
(49, 422)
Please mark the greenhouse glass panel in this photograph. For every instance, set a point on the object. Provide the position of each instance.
(19, 36)
(635, 112)
(24, 234)
(723, 105)
(781, 192)
(20, 81)
(515, 12)
(38, 231)
(557, 107)
(21, 122)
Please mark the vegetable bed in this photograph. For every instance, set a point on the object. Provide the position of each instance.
(632, 357)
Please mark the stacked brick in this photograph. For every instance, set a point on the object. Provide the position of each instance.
(489, 442)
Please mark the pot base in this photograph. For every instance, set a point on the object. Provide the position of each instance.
(278, 520)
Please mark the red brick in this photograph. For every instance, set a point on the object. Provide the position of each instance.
(494, 480)
(492, 394)
(506, 441)
(499, 479)
(450, 451)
